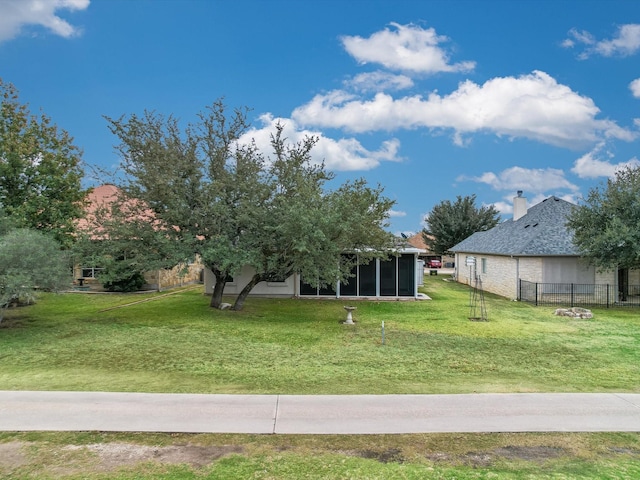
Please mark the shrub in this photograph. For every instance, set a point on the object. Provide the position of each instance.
(129, 284)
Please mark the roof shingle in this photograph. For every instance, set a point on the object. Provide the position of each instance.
(542, 231)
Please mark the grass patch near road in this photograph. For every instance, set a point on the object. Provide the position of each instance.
(176, 343)
(95, 455)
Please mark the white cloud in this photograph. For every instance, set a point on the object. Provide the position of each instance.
(592, 165)
(397, 213)
(626, 42)
(407, 48)
(578, 36)
(15, 14)
(505, 208)
(634, 86)
(535, 180)
(345, 154)
(532, 106)
(379, 81)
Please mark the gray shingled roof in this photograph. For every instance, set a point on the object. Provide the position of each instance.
(541, 231)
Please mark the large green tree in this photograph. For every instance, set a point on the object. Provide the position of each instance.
(306, 228)
(203, 188)
(448, 223)
(29, 261)
(228, 203)
(40, 170)
(606, 226)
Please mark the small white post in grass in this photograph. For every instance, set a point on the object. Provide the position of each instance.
(349, 310)
(383, 332)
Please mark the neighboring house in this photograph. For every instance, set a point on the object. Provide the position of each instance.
(89, 275)
(417, 241)
(534, 246)
(397, 277)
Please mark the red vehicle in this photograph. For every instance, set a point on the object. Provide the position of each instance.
(434, 263)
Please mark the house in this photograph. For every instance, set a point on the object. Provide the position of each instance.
(88, 276)
(534, 246)
(417, 241)
(397, 277)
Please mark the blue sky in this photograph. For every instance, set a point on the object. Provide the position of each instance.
(430, 99)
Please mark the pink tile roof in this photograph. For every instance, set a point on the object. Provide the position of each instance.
(417, 241)
(103, 197)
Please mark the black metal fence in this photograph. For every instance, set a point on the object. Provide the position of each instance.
(579, 295)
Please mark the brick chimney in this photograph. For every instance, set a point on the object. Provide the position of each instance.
(519, 206)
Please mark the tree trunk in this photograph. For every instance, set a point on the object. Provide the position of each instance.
(218, 288)
(239, 303)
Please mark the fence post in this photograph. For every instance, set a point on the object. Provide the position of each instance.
(536, 294)
(572, 295)
(607, 295)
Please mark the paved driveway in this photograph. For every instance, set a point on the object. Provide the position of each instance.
(321, 414)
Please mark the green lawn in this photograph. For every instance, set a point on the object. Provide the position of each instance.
(176, 343)
(98, 455)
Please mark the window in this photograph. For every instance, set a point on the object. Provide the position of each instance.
(367, 279)
(349, 288)
(91, 272)
(406, 275)
(329, 290)
(308, 289)
(483, 262)
(388, 277)
(395, 276)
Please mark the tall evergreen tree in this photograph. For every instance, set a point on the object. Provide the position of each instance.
(449, 223)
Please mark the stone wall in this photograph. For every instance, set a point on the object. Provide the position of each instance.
(174, 277)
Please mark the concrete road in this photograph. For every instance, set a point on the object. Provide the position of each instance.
(321, 414)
